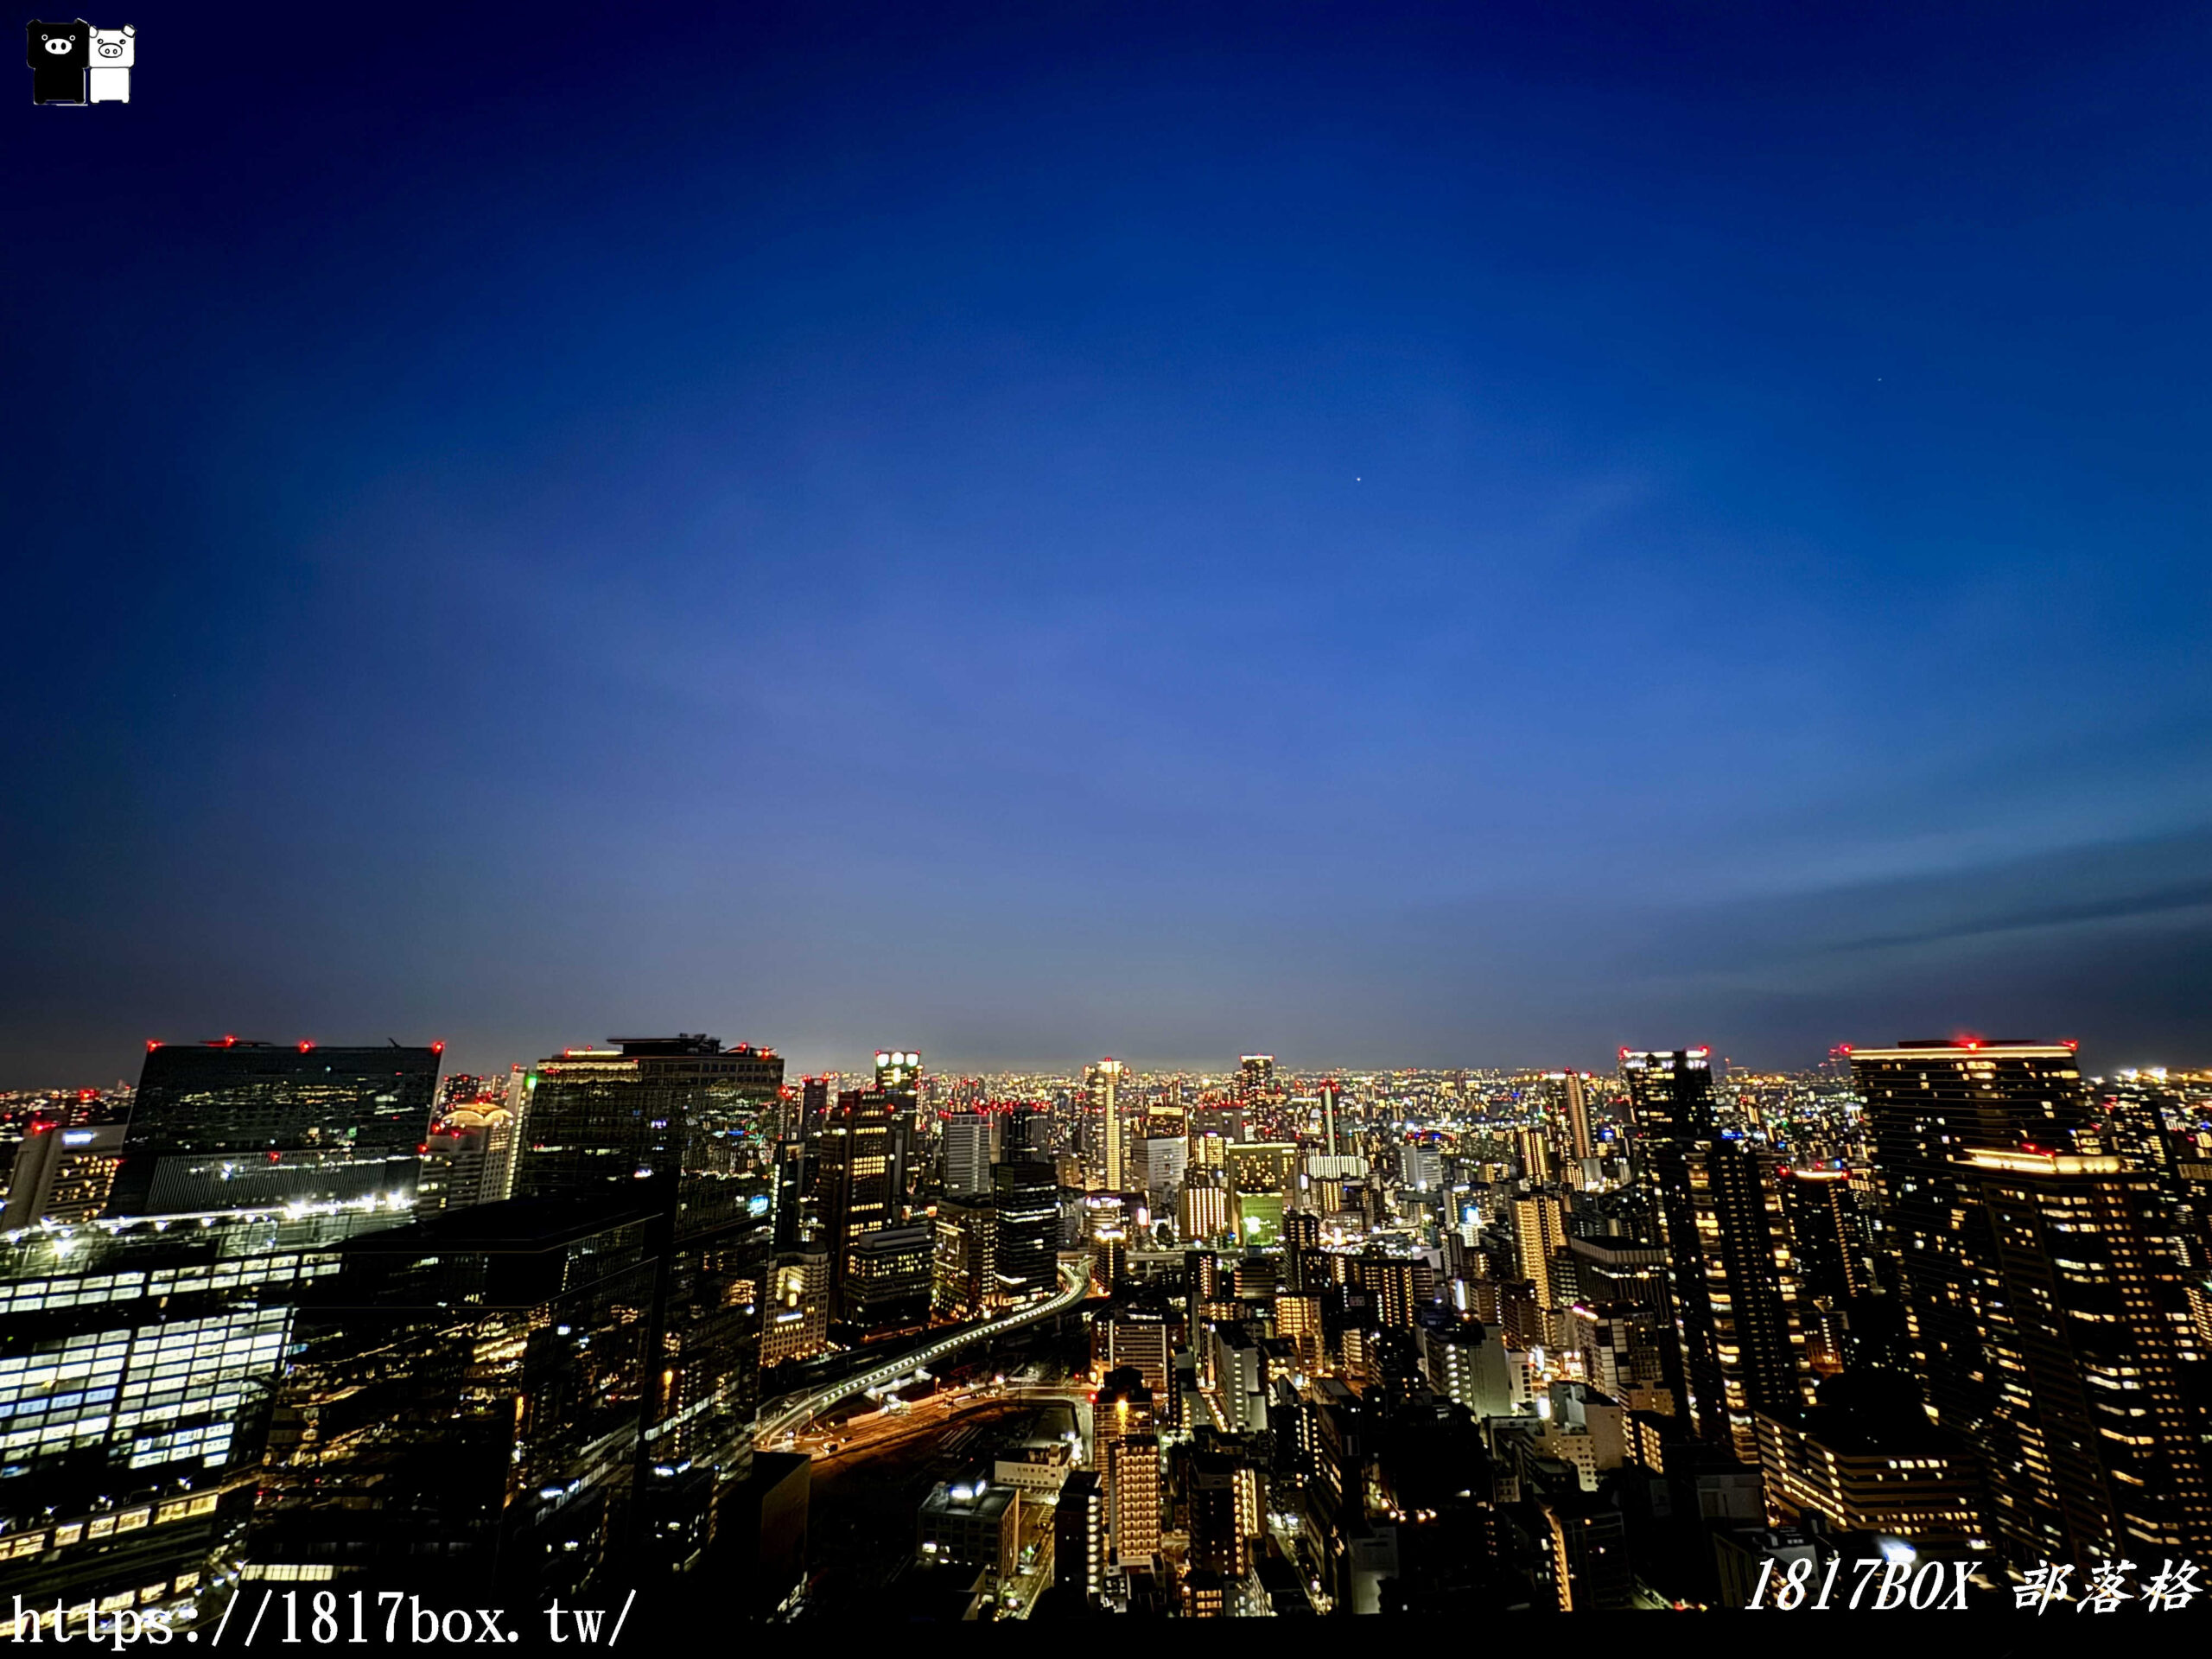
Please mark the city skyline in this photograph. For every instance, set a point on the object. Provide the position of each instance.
(1435, 535)
(1041, 1347)
(853, 1060)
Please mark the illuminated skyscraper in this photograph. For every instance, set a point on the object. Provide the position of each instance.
(138, 1360)
(964, 1277)
(1026, 1209)
(1822, 1216)
(62, 1172)
(233, 1125)
(1669, 1093)
(898, 1072)
(1133, 1485)
(651, 1112)
(469, 1158)
(1104, 1109)
(1539, 1232)
(898, 1077)
(1204, 1208)
(967, 1137)
(1255, 1077)
(1332, 1093)
(1731, 1274)
(1534, 1152)
(888, 1281)
(1578, 1116)
(797, 1325)
(856, 1158)
(2088, 1337)
(1928, 1104)
(2046, 1297)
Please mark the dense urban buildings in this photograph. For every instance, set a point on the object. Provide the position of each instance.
(1332, 1344)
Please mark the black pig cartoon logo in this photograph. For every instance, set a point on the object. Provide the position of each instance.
(60, 54)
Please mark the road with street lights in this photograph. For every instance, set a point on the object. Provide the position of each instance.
(786, 1416)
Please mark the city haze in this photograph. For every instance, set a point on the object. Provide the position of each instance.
(1404, 540)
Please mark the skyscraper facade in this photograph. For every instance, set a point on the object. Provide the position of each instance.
(1103, 1110)
(2089, 1333)
(857, 1173)
(2045, 1296)
(680, 1129)
(1024, 1230)
(231, 1125)
(967, 1137)
(1730, 1275)
(139, 1361)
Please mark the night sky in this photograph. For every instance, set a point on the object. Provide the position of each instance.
(1471, 534)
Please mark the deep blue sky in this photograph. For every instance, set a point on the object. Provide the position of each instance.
(1458, 534)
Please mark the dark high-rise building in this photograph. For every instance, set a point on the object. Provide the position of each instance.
(1224, 1498)
(796, 1221)
(646, 1111)
(899, 1075)
(1731, 1274)
(887, 1280)
(1026, 1219)
(1669, 1093)
(1928, 1104)
(1079, 1538)
(680, 1129)
(857, 1184)
(468, 1404)
(1824, 1231)
(1829, 1249)
(233, 1125)
(813, 1105)
(1255, 1077)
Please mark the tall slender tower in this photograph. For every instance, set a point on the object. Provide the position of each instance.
(857, 1164)
(1106, 1103)
(1729, 1265)
(1577, 1113)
